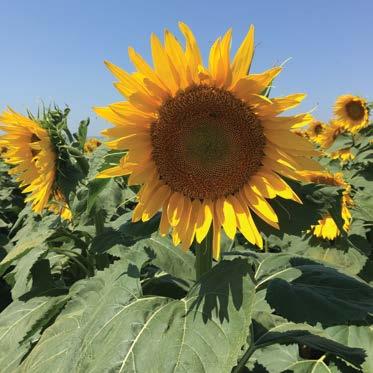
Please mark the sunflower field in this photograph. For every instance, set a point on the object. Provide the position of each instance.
(208, 231)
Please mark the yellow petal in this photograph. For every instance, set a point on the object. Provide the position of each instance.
(286, 123)
(176, 54)
(280, 186)
(109, 115)
(204, 220)
(216, 238)
(184, 219)
(175, 237)
(140, 140)
(255, 83)
(228, 215)
(261, 207)
(164, 225)
(258, 185)
(162, 65)
(242, 220)
(258, 238)
(288, 140)
(143, 67)
(154, 204)
(192, 52)
(190, 232)
(175, 208)
(242, 60)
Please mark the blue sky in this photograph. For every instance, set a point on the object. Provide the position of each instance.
(53, 51)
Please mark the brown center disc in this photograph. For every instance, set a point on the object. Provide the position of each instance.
(355, 110)
(206, 142)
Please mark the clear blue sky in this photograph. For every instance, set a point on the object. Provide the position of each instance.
(54, 50)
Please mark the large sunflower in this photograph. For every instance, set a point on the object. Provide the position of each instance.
(206, 146)
(31, 152)
(352, 111)
(326, 227)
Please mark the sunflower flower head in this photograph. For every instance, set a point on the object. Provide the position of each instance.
(344, 155)
(91, 144)
(352, 111)
(331, 131)
(208, 149)
(314, 130)
(326, 227)
(32, 151)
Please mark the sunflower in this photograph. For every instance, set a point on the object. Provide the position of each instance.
(31, 152)
(206, 146)
(352, 111)
(326, 227)
(344, 155)
(314, 130)
(91, 144)
(330, 133)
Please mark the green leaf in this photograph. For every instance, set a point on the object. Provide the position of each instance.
(343, 141)
(95, 187)
(355, 336)
(321, 294)
(125, 234)
(338, 254)
(310, 366)
(109, 327)
(276, 358)
(32, 237)
(169, 258)
(304, 334)
(21, 323)
(276, 266)
(22, 272)
(81, 136)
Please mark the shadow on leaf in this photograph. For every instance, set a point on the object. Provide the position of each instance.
(222, 289)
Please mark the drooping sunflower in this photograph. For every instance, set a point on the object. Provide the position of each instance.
(352, 111)
(91, 144)
(326, 227)
(206, 146)
(31, 153)
(330, 133)
(314, 130)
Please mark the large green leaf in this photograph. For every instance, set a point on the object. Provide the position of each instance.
(21, 323)
(340, 253)
(321, 294)
(22, 272)
(355, 336)
(109, 327)
(28, 238)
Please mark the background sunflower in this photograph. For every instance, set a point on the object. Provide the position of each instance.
(352, 111)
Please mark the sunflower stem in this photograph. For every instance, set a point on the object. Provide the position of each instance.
(204, 255)
(99, 219)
